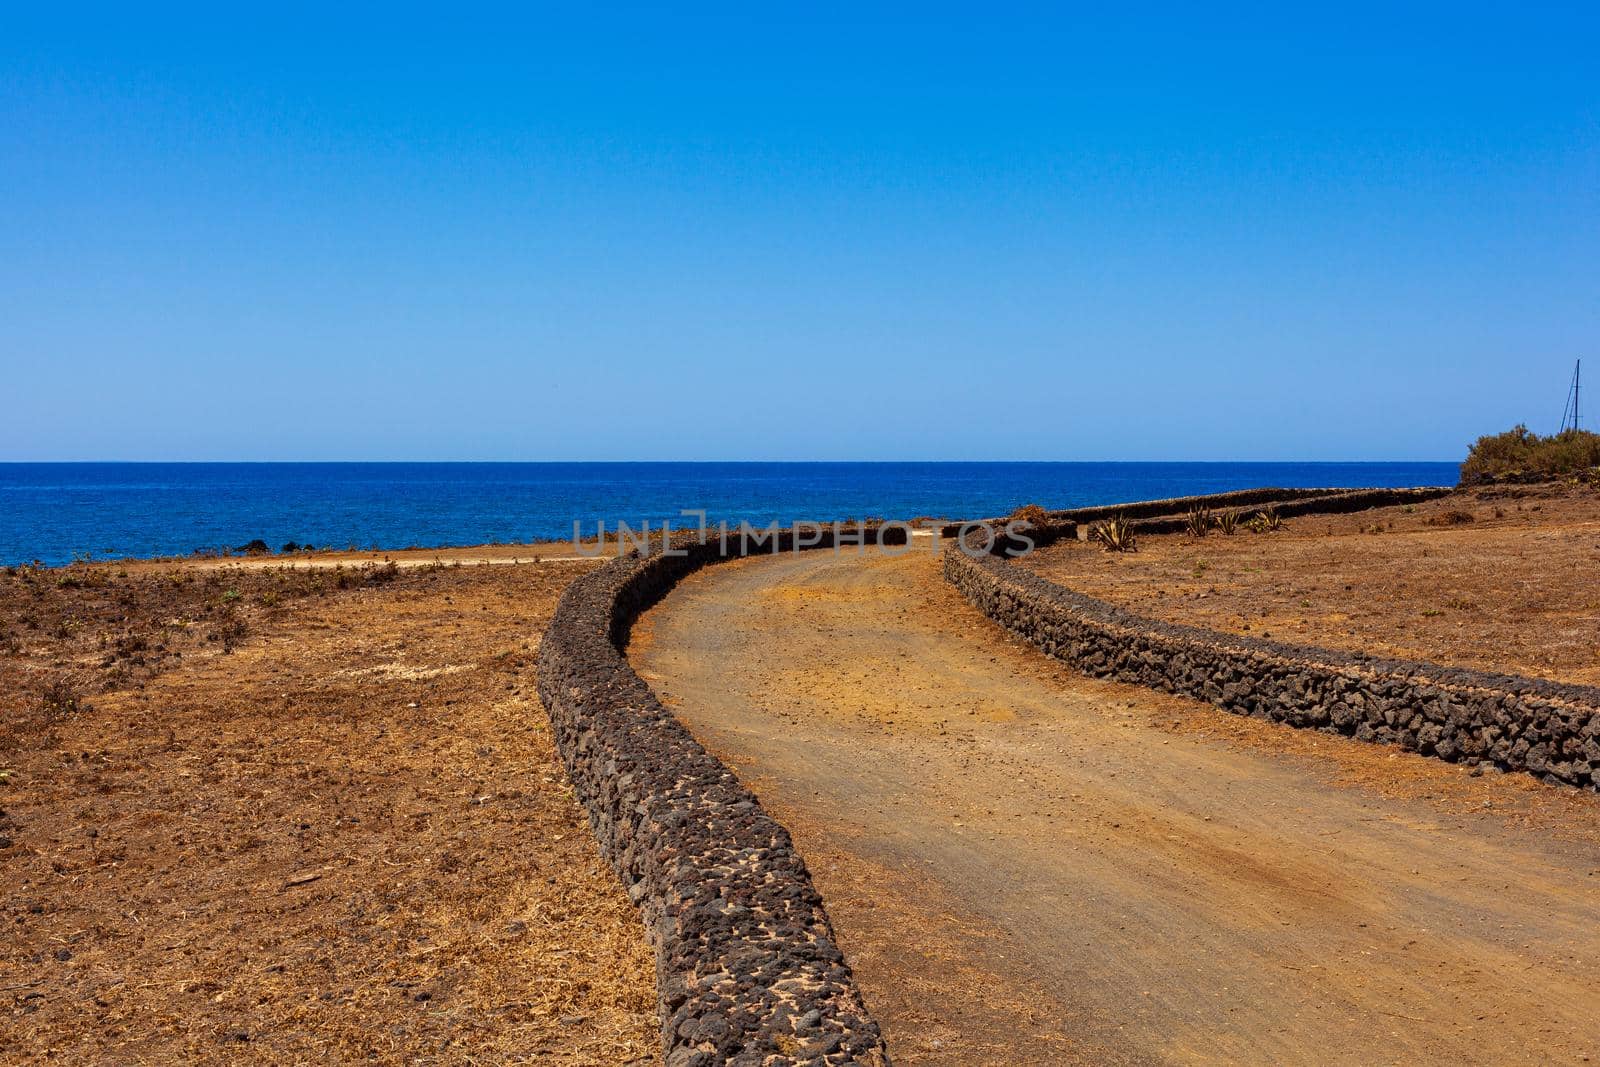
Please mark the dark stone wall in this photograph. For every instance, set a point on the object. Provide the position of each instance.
(1179, 505)
(992, 537)
(1359, 500)
(1341, 502)
(747, 968)
(1170, 515)
(1546, 728)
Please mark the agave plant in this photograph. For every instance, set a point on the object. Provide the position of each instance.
(1267, 520)
(1227, 522)
(1198, 522)
(1116, 534)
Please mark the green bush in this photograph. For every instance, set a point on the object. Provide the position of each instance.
(1519, 453)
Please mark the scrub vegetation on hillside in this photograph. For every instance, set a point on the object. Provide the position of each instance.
(1519, 454)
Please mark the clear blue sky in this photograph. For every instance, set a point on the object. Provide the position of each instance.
(684, 232)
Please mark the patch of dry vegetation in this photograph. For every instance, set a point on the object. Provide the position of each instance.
(1519, 454)
(89, 628)
(1032, 514)
(275, 816)
(1499, 578)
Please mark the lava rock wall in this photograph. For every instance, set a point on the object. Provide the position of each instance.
(1172, 515)
(1546, 728)
(747, 968)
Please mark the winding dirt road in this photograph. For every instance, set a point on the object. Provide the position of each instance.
(1026, 866)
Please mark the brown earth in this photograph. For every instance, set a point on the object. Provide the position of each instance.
(298, 817)
(1027, 866)
(528, 552)
(1515, 588)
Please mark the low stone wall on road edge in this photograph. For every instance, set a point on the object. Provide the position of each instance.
(1546, 728)
(747, 967)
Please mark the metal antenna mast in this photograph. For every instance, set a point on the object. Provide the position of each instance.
(1569, 414)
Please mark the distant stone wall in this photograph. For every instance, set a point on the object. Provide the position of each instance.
(747, 967)
(1180, 505)
(1341, 502)
(1170, 515)
(993, 537)
(1527, 724)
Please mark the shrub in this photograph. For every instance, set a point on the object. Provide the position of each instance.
(366, 574)
(1032, 514)
(1116, 534)
(1267, 520)
(230, 630)
(1227, 522)
(1521, 454)
(59, 698)
(1449, 518)
(256, 547)
(1198, 522)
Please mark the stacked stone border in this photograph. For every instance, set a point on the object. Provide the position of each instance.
(1340, 502)
(747, 968)
(1177, 505)
(1172, 515)
(1545, 728)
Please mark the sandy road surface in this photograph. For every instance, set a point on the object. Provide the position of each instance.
(1028, 866)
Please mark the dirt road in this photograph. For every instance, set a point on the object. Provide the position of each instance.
(1029, 866)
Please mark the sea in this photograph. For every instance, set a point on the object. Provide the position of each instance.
(55, 513)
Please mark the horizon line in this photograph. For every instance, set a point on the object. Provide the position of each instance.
(662, 462)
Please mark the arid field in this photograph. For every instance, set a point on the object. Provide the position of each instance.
(255, 815)
(1502, 579)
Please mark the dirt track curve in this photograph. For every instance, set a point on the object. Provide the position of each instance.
(1026, 866)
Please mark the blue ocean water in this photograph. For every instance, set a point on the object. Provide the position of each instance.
(55, 512)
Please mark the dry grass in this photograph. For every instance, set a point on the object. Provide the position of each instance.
(1499, 579)
(345, 838)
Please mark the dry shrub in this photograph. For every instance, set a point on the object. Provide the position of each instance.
(1519, 453)
(59, 698)
(1032, 514)
(366, 574)
(230, 630)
